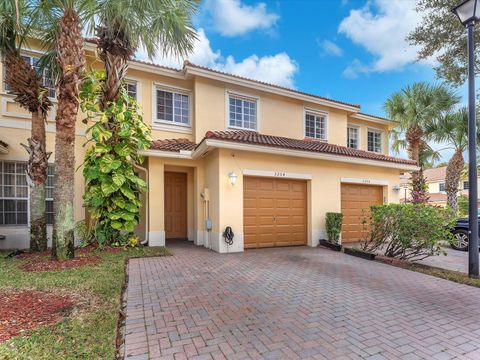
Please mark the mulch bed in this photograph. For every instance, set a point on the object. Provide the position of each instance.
(50, 264)
(26, 310)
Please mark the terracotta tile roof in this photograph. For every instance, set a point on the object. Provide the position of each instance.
(436, 174)
(3, 143)
(254, 138)
(188, 63)
(173, 145)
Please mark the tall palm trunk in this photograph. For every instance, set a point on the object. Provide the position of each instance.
(71, 58)
(416, 144)
(452, 178)
(31, 95)
(37, 172)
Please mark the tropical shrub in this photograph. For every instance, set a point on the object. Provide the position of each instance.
(408, 231)
(115, 138)
(462, 204)
(334, 226)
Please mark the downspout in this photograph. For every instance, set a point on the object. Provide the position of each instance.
(147, 218)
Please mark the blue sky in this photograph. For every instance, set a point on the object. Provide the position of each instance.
(349, 50)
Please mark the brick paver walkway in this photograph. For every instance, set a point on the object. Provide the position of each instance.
(291, 303)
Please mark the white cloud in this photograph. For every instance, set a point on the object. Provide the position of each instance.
(381, 27)
(356, 68)
(232, 17)
(277, 69)
(330, 48)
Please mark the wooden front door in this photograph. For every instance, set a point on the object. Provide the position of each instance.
(356, 202)
(274, 212)
(175, 205)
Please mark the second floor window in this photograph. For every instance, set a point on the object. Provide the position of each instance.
(441, 187)
(14, 197)
(242, 113)
(173, 107)
(466, 185)
(316, 126)
(131, 87)
(374, 141)
(352, 137)
(46, 75)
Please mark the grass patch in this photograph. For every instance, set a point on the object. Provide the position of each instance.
(455, 276)
(89, 333)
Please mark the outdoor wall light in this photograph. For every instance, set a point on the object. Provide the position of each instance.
(396, 188)
(233, 178)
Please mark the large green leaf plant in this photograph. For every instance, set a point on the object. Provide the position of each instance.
(114, 140)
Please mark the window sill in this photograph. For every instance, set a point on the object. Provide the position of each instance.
(172, 127)
(308, 138)
(241, 128)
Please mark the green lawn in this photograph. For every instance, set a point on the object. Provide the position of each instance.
(455, 276)
(90, 332)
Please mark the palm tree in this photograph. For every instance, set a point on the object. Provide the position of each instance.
(414, 108)
(453, 129)
(60, 23)
(26, 84)
(155, 25)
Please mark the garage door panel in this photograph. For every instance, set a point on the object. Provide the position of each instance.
(356, 201)
(279, 209)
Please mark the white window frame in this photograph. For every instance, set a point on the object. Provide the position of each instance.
(463, 185)
(31, 54)
(16, 198)
(315, 112)
(377, 131)
(166, 124)
(356, 127)
(440, 187)
(242, 96)
(136, 82)
(2, 197)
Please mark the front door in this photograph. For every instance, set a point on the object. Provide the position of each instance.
(175, 205)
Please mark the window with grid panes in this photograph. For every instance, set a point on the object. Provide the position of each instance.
(172, 107)
(131, 87)
(374, 141)
(352, 137)
(242, 113)
(13, 193)
(316, 126)
(14, 200)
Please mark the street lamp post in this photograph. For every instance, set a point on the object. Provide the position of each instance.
(468, 12)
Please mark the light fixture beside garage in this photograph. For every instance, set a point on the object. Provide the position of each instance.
(232, 177)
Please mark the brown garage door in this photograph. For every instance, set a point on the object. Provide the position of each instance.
(356, 200)
(274, 212)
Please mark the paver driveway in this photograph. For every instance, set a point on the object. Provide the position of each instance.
(292, 303)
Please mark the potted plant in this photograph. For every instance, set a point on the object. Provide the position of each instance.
(333, 224)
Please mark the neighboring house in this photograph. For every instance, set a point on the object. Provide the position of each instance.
(435, 179)
(267, 161)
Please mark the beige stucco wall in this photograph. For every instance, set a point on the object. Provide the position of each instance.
(277, 115)
(226, 201)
